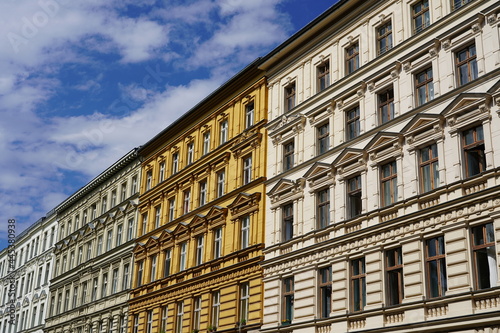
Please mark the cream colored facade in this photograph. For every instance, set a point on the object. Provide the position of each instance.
(93, 253)
(383, 190)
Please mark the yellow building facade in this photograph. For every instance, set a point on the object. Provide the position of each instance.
(201, 216)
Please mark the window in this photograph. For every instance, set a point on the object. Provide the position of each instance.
(429, 169)
(162, 172)
(223, 132)
(421, 16)
(287, 212)
(124, 191)
(89, 250)
(190, 153)
(323, 76)
(168, 261)
(466, 64)
(99, 245)
(164, 318)
(203, 193)
(130, 229)
(153, 267)
(171, 209)
(157, 217)
(249, 115)
(114, 286)
(247, 170)
(456, 4)
(389, 183)
(149, 180)
(186, 204)
(473, 148)
(215, 309)
(199, 249)
(288, 154)
(182, 256)
(149, 326)
(144, 223)
(358, 284)
(245, 232)
(323, 208)
(384, 38)
(119, 232)
(217, 243)
(109, 241)
(485, 260)
(123, 324)
(104, 204)
(394, 276)
(221, 175)
(126, 273)
(352, 123)
(435, 264)
(175, 163)
(104, 289)
(288, 296)
(140, 272)
(66, 300)
(424, 86)
(386, 105)
(134, 185)
(196, 313)
(136, 323)
(352, 58)
(206, 143)
(85, 211)
(84, 292)
(325, 291)
(290, 97)
(94, 289)
(244, 302)
(354, 205)
(323, 134)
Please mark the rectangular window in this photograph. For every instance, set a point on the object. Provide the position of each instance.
(134, 185)
(126, 274)
(287, 212)
(288, 155)
(182, 256)
(164, 318)
(124, 192)
(104, 287)
(384, 38)
(323, 76)
(473, 150)
(66, 300)
(217, 243)
(89, 250)
(352, 58)
(421, 16)
(323, 208)
(136, 324)
(244, 302)
(358, 284)
(386, 105)
(435, 264)
(196, 313)
(456, 4)
(190, 153)
(203, 193)
(221, 176)
(157, 217)
(168, 262)
(84, 292)
(354, 204)
(394, 276)
(109, 241)
(206, 143)
(119, 232)
(149, 326)
(149, 181)
(325, 291)
(175, 163)
(186, 205)
(93, 215)
(114, 287)
(104, 208)
(245, 232)
(140, 273)
(153, 267)
(171, 209)
(161, 175)
(130, 229)
(200, 242)
(223, 132)
(352, 123)
(429, 169)
(215, 309)
(123, 324)
(247, 170)
(323, 136)
(94, 289)
(424, 86)
(287, 303)
(389, 183)
(144, 223)
(290, 97)
(249, 115)
(99, 245)
(485, 259)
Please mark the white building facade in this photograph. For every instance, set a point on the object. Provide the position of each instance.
(24, 282)
(93, 252)
(384, 158)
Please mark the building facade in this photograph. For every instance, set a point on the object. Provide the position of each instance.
(383, 189)
(201, 225)
(24, 281)
(93, 253)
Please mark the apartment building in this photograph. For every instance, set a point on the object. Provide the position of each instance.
(383, 170)
(201, 225)
(93, 252)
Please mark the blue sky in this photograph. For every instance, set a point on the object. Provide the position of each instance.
(84, 82)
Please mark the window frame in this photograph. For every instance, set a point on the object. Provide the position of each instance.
(223, 132)
(323, 138)
(384, 36)
(206, 142)
(325, 291)
(427, 84)
(488, 244)
(244, 232)
(288, 155)
(215, 309)
(221, 180)
(217, 243)
(385, 105)
(288, 295)
(244, 303)
(323, 75)
(392, 180)
(183, 256)
(249, 114)
(397, 270)
(290, 95)
(432, 163)
(358, 284)
(287, 221)
(439, 258)
(320, 210)
(469, 149)
(354, 197)
(247, 169)
(423, 14)
(352, 58)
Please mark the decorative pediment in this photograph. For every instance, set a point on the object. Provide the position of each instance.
(383, 146)
(420, 122)
(466, 109)
(18, 305)
(43, 294)
(198, 224)
(246, 142)
(139, 248)
(36, 298)
(166, 236)
(349, 162)
(422, 129)
(216, 212)
(318, 170)
(287, 127)
(286, 190)
(283, 186)
(152, 242)
(181, 231)
(26, 301)
(244, 203)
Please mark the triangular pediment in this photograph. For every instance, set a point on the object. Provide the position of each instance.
(382, 140)
(197, 220)
(348, 156)
(26, 301)
(420, 122)
(165, 236)
(181, 228)
(43, 294)
(243, 199)
(139, 247)
(152, 241)
(494, 88)
(216, 212)
(284, 185)
(318, 169)
(463, 102)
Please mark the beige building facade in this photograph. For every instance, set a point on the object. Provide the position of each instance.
(383, 159)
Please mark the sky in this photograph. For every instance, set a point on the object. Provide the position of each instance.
(84, 82)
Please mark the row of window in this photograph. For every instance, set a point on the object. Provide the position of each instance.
(92, 290)
(25, 284)
(181, 251)
(464, 59)
(436, 280)
(24, 322)
(196, 313)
